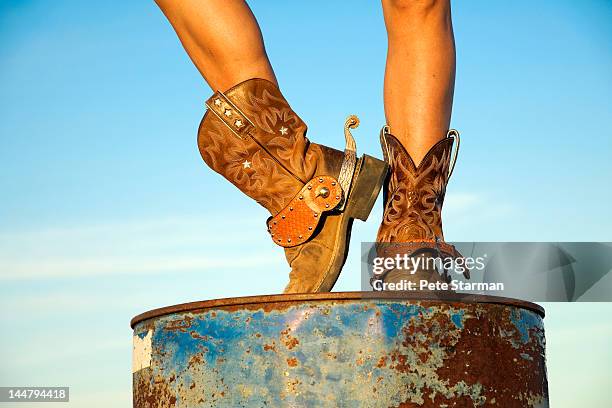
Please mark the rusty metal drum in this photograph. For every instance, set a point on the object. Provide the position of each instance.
(341, 350)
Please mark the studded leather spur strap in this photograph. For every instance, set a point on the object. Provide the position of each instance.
(297, 222)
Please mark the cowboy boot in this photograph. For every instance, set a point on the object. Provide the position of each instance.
(252, 137)
(413, 198)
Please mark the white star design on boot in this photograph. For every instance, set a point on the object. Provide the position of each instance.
(246, 164)
(283, 130)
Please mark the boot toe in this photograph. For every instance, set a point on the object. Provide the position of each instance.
(316, 264)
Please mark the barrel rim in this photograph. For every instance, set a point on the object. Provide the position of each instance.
(326, 296)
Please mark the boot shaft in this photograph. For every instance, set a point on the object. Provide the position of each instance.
(415, 194)
(252, 137)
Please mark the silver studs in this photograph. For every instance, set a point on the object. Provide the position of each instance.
(316, 215)
(227, 112)
(300, 237)
(301, 197)
(280, 239)
(274, 222)
(333, 183)
(323, 192)
(288, 239)
(290, 208)
(309, 228)
(326, 205)
(337, 197)
(283, 217)
(271, 234)
(238, 123)
(320, 179)
(310, 187)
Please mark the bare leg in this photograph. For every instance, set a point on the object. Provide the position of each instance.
(222, 39)
(420, 72)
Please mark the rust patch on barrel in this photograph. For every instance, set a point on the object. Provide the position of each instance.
(511, 371)
(450, 366)
(151, 392)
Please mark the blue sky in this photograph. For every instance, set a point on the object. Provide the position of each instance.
(107, 210)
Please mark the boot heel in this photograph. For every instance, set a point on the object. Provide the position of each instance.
(365, 190)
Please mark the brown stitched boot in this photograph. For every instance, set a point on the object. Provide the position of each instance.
(252, 137)
(413, 198)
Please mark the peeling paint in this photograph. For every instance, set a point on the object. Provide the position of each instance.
(141, 350)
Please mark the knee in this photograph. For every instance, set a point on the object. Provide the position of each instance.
(416, 8)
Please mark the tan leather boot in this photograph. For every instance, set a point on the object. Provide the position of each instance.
(252, 137)
(413, 198)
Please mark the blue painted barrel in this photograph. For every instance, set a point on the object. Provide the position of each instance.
(341, 350)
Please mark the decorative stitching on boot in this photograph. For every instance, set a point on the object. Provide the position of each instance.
(415, 194)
